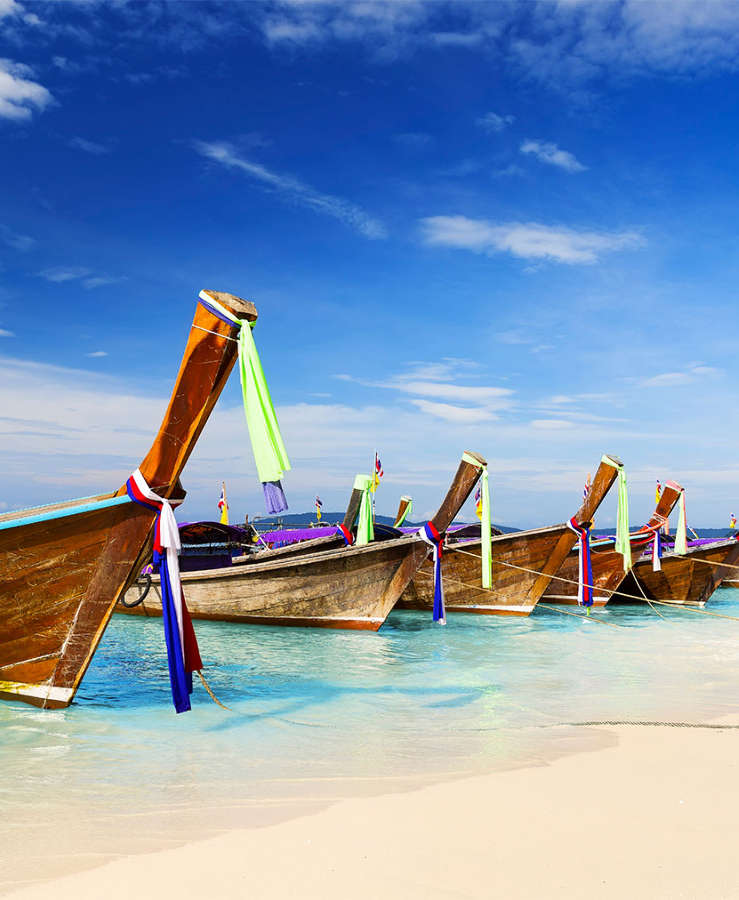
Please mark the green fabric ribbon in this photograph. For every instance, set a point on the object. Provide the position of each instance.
(365, 528)
(406, 512)
(681, 537)
(623, 539)
(268, 447)
(486, 532)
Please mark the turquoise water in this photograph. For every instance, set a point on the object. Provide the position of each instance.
(319, 714)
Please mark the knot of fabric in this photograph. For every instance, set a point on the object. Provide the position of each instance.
(346, 534)
(585, 577)
(183, 655)
(430, 535)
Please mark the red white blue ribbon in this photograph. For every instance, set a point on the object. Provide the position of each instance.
(183, 654)
(585, 577)
(431, 536)
(346, 534)
(656, 551)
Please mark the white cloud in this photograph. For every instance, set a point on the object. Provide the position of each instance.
(96, 354)
(450, 413)
(19, 95)
(526, 240)
(493, 122)
(60, 274)
(15, 240)
(457, 38)
(670, 379)
(5, 333)
(551, 424)
(80, 143)
(552, 155)
(295, 190)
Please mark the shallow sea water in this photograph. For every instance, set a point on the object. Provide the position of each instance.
(318, 715)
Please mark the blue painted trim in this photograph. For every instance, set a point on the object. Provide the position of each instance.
(64, 512)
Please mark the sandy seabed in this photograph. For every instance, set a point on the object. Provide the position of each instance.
(656, 815)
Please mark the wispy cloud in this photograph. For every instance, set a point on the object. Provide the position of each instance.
(97, 354)
(430, 388)
(20, 96)
(295, 190)
(493, 122)
(552, 155)
(96, 149)
(62, 274)
(5, 333)
(525, 240)
(14, 239)
(686, 376)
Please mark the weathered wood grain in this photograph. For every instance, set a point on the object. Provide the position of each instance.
(683, 579)
(346, 587)
(60, 578)
(515, 591)
(608, 569)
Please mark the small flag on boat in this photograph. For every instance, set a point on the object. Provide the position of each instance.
(377, 474)
(223, 504)
(478, 503)
(586, 489)
(319, 505)
(658, 492)
(732, 521)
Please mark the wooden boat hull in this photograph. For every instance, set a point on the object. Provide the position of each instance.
(63, 567)
(684, 580)
(345, 588)
(523, 565)
(511, 592)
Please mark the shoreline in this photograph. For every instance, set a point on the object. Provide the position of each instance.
(652, 809)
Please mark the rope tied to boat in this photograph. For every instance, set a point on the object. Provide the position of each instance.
(268, 447)
(183, 654)
(430, 535)
(585, 563)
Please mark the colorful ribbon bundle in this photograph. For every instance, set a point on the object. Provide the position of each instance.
(656, 551)
(681, 535)
(431, 536)
(183, 655)
(365, 527)
(585, 577)
(269, 450)
(406, 511)
(623, 538)
(346, 534)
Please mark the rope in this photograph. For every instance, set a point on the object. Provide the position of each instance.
(212, 695)
(703, 612)
(224, 336)
(567, 612)
(564, 612)
(638, 584)
(652, 724)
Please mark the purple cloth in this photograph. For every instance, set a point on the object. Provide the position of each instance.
(284, 536)
(274, 497)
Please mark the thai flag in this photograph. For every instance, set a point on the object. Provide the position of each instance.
(586, 489)
(658, 492)
(378, 467)
(319, 506)
(222, 499)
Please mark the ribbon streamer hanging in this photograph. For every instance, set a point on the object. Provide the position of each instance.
(183, 655)
(585, 576)
(623, 538)
(365, 527)
(268, 447)
(430, 535)
(681, 536)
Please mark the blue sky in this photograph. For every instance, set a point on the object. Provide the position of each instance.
(498, 226)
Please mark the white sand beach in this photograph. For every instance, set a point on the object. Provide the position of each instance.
(655, 815)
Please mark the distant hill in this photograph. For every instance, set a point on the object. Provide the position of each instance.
(329, 518)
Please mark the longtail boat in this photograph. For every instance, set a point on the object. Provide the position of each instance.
(316, 583)
(607, 563)
(523, 563)
(688, 579)
(64, 566)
